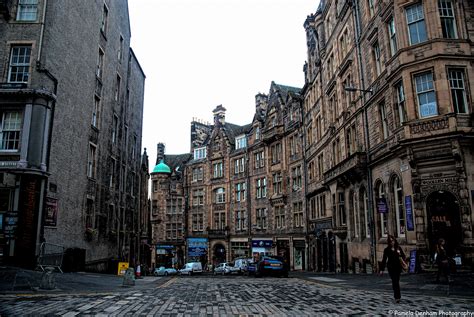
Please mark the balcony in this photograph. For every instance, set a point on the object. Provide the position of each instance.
(348, 171)
(439, 125)
(273, 133)
(217, 233)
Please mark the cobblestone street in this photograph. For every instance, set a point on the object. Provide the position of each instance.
(211, 296)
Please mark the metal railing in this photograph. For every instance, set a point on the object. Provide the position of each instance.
(51, 255)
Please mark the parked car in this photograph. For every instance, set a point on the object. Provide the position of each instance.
(271, 266)
(225, 268)
(162, 271)
(191, 268)
(241, 264)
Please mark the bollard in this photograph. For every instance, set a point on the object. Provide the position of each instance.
(129, 277)
(48, 280)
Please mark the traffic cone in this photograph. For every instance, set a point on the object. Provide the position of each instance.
(138, 273)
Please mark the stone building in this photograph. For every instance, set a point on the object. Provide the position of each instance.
(389, 125)
(242, 191)
(72, 103)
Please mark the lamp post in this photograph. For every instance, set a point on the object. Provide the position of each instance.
(370, 195)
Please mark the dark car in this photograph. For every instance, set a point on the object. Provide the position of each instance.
(271, 266)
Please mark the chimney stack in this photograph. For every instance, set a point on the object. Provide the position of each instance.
(219, 115)
(160, 153)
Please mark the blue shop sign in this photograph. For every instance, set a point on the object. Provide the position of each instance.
(262, 243)
(197, 246)
(166, 247)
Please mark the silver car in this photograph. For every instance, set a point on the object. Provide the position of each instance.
(162, 271)
(225, 268)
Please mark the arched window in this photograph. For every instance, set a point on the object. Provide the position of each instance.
(219, 195)
(397, 192)
(382, 208)
(363, 214)
(353, 215)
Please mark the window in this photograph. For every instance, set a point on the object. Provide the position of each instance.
(321, 205)
(113, 165)
(312, 208)
(277, 183)
(114, 129)
(219, 196)
(259, 159)
(257, 133)
(392, 36)
(353, 215)
(371, 7)
(448, 22)
(399, 208)
(105, 18)
(200, 153)
(19, 70)
(10, 130)
(383, 120)
(198, 197)
(155, 186)
(458, 90)
(341, 209)
(91, 161)
(296, 178)
(198, 222)
(219, 220)
(363, 214)
(350, 140)
(198, 174)
(239, 165)
(27, 10)
(261, 215)
(336, 152)
(381, 199)
(240, 191)
(120, 50)
(376, 58)
(427, 106)
(280, 217)
(218, 169)
(95, 112)
(117, 88)
(400, 102)
(298, 214)
(321, 166)
(276, 153)
(261, 188)
(416, 24)
(100, 63)
(174, 205)
(294, 145)
(240, 142)
(241, 220)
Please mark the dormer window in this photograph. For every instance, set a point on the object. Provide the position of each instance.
(200, 153)
(240, 142)
(257, 133)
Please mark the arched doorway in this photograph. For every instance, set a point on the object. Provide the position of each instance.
(444, 220)
(219, 253)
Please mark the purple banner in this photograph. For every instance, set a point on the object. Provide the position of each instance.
(409, 213)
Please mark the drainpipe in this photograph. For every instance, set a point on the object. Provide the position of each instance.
(363, 90)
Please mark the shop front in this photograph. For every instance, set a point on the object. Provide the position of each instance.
(239, 247)
(299, 256)
(262, 247)
(197, 250)
(165, 255)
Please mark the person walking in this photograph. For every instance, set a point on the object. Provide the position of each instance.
(392, 257)
(442, 261)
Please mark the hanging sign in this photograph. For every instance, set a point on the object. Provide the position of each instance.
(409, 213)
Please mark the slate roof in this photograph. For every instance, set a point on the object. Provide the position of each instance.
(177, 160)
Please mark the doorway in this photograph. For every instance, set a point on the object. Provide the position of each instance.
(219, 254)
(444, 220)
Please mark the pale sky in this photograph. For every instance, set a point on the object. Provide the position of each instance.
(198, 54)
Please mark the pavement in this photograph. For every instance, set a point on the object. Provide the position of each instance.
(19, 281)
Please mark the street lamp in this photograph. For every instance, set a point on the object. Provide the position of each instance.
(370, 195)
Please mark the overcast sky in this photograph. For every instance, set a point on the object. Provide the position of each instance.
(198, 54)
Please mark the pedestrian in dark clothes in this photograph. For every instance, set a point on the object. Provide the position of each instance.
(442, 261)
(391, 259)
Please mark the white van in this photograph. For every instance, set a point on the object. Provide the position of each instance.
(191, 268)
